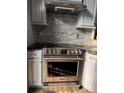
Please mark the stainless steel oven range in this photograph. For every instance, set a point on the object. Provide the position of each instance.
(62, 64)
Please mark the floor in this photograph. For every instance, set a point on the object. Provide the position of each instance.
(59, 89)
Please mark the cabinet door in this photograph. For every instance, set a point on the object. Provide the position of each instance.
(34, 72)
(86, 18)
(89, 80)
(90, 12)
(38, 12)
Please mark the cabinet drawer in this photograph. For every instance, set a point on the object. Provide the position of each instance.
(35, 54)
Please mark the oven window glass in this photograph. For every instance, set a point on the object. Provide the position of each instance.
(62, 68)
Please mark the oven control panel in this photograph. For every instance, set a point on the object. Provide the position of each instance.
(63, 51)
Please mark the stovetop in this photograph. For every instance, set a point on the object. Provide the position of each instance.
(53, 45)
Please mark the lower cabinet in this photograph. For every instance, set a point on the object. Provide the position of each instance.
(34, 72)
(89, 80)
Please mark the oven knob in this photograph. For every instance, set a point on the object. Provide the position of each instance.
(49, 51)
(72, 51)
(45, 51)
(54, 51)
(57, 51)
(80, 52)
(68, 52)
(76, 51)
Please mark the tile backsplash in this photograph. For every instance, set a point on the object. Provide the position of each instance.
(61, 29)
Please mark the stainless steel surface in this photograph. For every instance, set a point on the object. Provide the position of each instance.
(63, 78)
(64, 59)
(62, 56)
(62, 51)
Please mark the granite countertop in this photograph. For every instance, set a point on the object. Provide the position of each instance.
(36, 46)
(53, 45)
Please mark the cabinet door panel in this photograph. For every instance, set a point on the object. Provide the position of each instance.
(34, 73)
(38, 12)
(89, 80)
(88, 19)
(90, 13)
(43, 13)
(29, 74)
(33, 12)
(90, 6)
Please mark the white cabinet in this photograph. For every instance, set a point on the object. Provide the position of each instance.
(34, 72)
(38, 12)
(35, 68)
(89, 80)
(87, 17)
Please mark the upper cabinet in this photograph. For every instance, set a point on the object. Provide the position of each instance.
(38, 12)
(86, 18)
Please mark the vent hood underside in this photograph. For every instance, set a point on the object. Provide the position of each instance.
(62, 7)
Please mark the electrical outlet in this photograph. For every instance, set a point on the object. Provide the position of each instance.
(77, 35)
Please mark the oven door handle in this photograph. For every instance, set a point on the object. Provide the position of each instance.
(63, 58)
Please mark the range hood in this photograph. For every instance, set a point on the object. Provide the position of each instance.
(64, 1)
(65, 6)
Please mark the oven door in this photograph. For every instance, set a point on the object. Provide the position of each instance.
(61, 69)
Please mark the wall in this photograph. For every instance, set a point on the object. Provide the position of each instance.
(61, 29)
(30, 35)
